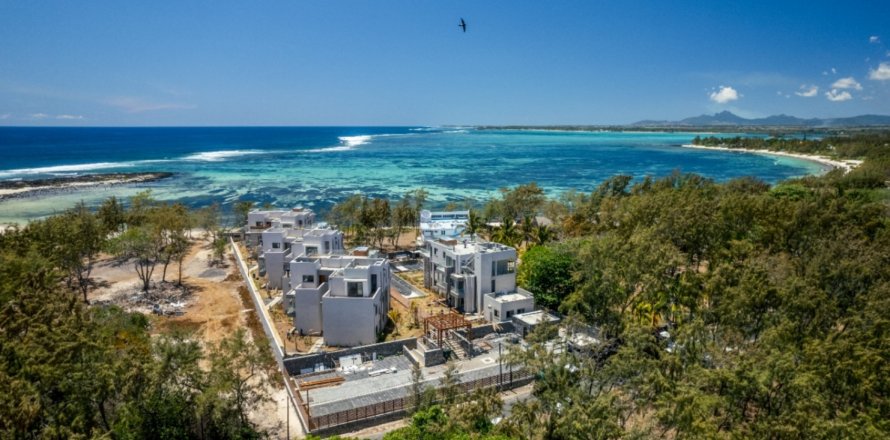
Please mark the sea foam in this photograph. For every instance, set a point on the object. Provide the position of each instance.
(57, 169)
(216, 156)
(346, 143)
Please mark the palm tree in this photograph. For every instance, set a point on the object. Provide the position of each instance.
(507, 233)
(474, 224)
(542, 234)
(526, 228)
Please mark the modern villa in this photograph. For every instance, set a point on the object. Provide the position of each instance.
(442, 224)
(476, 277)
(343, 297)
(277, 237)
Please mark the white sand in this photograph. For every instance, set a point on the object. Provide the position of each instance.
(845, 165)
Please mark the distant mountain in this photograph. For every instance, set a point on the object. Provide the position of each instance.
(726, 118)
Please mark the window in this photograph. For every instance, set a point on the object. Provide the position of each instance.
(493, 286)
(509, 314)
(327, 247)
(308, 278)
(502, 267)
(496, 313)
(311, 250)
(276, 245)
(354, 289)
(373, 283)
(520, 311)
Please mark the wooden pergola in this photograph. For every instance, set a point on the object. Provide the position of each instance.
(444, 322)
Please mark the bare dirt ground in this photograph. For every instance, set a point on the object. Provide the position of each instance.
(212, 308)
(210, 305)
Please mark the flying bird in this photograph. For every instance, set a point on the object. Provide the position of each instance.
(463, 24)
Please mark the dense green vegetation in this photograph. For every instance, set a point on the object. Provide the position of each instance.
(69, 370)
(733, 310)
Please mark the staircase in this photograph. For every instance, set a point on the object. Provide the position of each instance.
(456, 349)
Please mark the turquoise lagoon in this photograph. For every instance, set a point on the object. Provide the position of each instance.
(318, 166)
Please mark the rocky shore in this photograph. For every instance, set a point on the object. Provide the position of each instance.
(11, 189)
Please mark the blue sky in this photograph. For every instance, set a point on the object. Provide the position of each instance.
(341, 62)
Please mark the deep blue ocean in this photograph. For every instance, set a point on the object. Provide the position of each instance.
(318, 166)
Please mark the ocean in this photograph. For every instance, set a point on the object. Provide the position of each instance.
(318, 166)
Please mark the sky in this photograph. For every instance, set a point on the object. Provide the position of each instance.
(406, 62)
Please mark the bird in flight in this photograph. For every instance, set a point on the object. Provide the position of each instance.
(462, 25)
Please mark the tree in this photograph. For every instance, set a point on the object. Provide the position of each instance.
(507, 233)
(474, 224)
(241, 209)
(450, 389)
(111, 215)
(142, 245)
(83, 239)
(396, 319)
(235, 364)
(547, 272)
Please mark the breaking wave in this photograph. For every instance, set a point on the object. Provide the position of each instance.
(216, 156)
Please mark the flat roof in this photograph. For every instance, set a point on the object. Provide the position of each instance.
(536, 317)
(361, 389)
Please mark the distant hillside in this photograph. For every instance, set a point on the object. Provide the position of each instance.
(726, 118)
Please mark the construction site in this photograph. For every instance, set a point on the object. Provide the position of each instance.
(339, 391)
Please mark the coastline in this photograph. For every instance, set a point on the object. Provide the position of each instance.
(13, 189)
(845, 165)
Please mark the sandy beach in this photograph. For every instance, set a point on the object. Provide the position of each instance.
(845, 165)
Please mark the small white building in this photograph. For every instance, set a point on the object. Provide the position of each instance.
(476, 277)
(442, 224)
(344, 298)
(261, 220)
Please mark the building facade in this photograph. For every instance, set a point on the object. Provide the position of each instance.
(344, 298)
(476, 277)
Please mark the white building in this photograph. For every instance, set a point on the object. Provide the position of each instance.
(345, 298)
(276, 237)
(260, 220)
(476, 277)
(442, 224)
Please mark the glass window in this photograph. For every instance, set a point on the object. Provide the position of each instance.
(308, 278)
(276, 245)
(311, 250)
(502, 267)
(354, 289)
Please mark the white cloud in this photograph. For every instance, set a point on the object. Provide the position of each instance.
(39, 116)
(807, 91)
(69, 117)
(833, 71)
(874, 39)
(882, 73)
(724, 95)
(846, 83)
(837, 95)
(132, 104)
